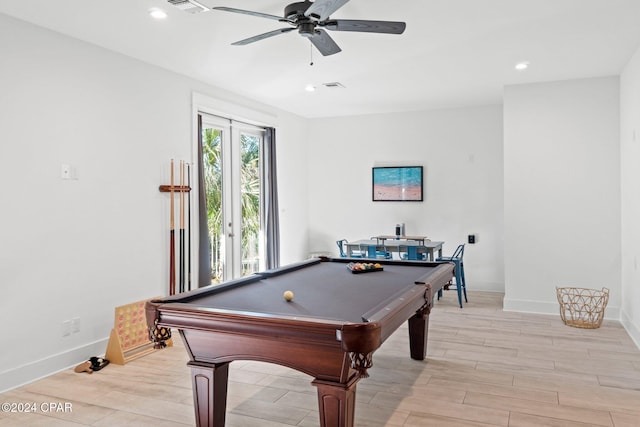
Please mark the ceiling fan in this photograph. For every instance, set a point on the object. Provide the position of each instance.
(309, 18)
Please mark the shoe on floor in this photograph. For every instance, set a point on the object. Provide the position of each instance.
(98, 363)
(84, 367)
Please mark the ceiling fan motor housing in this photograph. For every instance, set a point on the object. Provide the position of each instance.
(295, 11)
(307, 29)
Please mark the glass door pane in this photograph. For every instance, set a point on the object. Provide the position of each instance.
(250, 195)
(212, 169)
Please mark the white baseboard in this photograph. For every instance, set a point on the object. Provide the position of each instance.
(527, 306)
(632, 330)
(486, 287)
(546, 307)
(25, 374)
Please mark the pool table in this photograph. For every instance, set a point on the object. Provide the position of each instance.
(330, 330)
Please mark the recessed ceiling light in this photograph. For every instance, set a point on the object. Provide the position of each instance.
(310, 88)
(522, 65)
(157, 13)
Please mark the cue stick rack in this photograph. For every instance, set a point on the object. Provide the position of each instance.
(176, 188)
(129, 338)
(182, 188)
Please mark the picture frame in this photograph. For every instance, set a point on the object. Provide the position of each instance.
(397, 183)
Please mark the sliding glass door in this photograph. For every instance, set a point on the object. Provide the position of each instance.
(232, 153)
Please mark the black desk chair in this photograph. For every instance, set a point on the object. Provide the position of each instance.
(461, 285)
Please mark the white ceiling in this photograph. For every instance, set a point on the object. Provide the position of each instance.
(453, 52)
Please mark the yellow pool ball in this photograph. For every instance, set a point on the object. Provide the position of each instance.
(288, 295)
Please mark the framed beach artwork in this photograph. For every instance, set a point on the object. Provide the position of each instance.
(397, 184)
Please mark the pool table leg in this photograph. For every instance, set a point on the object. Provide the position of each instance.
(209, 392)
(418, 331)
(336, 402)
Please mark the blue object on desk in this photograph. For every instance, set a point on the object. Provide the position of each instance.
(374, 251)
(412, 252)
(343, 254)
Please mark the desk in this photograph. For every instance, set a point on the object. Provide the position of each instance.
(381, 239)
(393, 246)
(329, 331)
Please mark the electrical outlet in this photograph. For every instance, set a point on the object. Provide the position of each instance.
(471, 239)
(65, 171)
(66, 328)
(75, 325)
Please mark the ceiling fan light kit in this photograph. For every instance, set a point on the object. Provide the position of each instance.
(309, 18)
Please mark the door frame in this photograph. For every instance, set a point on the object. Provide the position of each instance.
(224, 109)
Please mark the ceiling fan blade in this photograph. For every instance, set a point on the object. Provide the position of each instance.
(324, 43)
(387, 27)
(262, 36)
(322, 9)
(249, 12)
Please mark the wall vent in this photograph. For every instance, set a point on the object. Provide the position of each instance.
(335, 85)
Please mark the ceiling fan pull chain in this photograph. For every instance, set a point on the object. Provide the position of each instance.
(311, 53)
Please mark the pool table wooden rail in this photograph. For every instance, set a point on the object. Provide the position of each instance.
(236, 336)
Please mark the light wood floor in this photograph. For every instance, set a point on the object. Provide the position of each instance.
(485, 367)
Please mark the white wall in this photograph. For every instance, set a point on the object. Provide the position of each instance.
(79, 248)
(561, 191)
(630, 177)
(461, 151)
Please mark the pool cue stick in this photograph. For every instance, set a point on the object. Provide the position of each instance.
(181, 226)
(172, 242)
(189, 227)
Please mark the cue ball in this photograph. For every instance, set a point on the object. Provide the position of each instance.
(288, 295)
